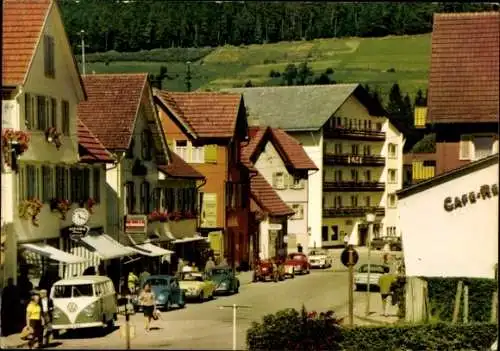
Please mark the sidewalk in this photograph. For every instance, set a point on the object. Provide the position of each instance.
(245, 277)
(12, 341)
(376, 315)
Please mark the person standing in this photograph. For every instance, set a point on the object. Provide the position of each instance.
(34, 321)
(143, 276)
(346, 240)
(180, 266)
(209, 266)
(147, 300)
(47, 306)
(223, 262)
(300, 248)
(132, 282)
(385, 283)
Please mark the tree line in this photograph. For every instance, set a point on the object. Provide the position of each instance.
(127, 26)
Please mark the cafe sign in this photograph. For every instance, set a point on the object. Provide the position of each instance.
(136, 224)
(485, 192)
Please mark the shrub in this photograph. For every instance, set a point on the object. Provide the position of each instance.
(391, 70)
(425, 145)
(292, 330)
(329, 70)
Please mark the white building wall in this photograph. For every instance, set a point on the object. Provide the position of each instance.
(312, 142)
(270, 162)
(460, 243)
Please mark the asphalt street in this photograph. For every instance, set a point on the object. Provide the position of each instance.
(208, 326)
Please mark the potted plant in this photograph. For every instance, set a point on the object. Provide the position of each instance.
(18, 140)
(62, 206)
(30, 209)
(53, 136)
(158, 216)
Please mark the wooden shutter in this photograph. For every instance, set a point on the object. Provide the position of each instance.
(465, 152)
(28, 112)
(211, 153)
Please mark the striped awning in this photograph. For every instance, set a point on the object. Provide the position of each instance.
(152, 250)
(53, 253)
(106, 247)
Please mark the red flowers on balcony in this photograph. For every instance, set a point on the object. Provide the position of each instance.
(30, 209)
(14, 139)
(164, 216)
(61, 206)
(89, 205)
(158, 216)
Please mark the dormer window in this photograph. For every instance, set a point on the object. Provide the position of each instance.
(49, 57)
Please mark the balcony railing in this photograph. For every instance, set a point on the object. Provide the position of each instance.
(352, 211)
(353, 186)
(354, 134)
(350, 160)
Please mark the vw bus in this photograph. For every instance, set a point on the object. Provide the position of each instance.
(83, 302)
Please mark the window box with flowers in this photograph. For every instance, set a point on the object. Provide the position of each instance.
(190, 215)
(60, 205)
(158, 216)
(175, 216)
(54, 137)
(12, 140)
(89, 204)
(30, 209)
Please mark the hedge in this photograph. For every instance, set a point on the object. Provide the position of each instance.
(155, 55)
(291, 330)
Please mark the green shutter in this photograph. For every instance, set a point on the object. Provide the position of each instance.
(211, 153)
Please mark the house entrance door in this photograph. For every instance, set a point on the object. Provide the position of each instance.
(362, 236)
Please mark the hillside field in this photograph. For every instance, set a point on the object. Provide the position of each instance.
(363, 60)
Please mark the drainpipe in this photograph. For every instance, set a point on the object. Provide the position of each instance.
(118, 160)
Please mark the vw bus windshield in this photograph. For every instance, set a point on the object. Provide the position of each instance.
(78, 290)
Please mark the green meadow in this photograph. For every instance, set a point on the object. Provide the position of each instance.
(379, 62)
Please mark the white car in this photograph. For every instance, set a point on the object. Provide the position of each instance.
(361, 276)
(319, 259)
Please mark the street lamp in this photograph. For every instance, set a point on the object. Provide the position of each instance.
(370, 219)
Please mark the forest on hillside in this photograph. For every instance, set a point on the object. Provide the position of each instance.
(148, 24)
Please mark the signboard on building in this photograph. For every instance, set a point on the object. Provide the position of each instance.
(136, 224)
(275, 226)
(76, 232)
(209, 210)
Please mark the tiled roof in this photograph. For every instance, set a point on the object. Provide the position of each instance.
(96, 152)
(22, 24)
(111, 107)
(292, 152)
(301, 108)
(463, 79)
(178, 168)
(267, 199)
(207, 114)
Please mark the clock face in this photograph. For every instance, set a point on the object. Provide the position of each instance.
(80, 216)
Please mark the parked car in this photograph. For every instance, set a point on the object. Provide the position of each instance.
(299, 262)
(197, 286)
(319, 258)
(393, 242)
(378, 243)
(361, 276)
(167, 292)
(267, 269)
(225, 281)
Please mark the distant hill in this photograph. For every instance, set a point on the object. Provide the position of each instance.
(379, 62)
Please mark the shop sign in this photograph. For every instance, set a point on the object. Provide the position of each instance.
(76, 232)
(136, 224)
(209, 212)
(275, 226)
(485, 192)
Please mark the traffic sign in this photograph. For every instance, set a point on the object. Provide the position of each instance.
(344, 257)
(76, 232)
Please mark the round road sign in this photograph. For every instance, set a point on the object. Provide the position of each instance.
(344, 257)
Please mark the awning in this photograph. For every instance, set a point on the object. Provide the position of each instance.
(53, 253)
(106, 247)
(190, 239)
(149, 249)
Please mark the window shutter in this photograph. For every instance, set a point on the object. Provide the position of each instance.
(465, 147)
(211, 153)
(28, 111)
(275, 177)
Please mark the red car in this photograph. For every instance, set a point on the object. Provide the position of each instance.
(267, 269)
(299, 262)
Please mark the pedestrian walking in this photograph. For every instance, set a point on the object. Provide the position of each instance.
(299, 248)
(209, 266)
(143, 276)
(34, 321)
(346, 240)
(47, 306)
(132, 282)
(147, 300)
(385, 283)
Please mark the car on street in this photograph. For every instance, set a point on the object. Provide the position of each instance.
(197, 286)
(319, 258)
(167, 292)
(299, 262)
(361, 276)
(393, 243)
(267, 269)
(225, 281)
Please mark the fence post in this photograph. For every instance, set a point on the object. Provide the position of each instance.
(234, 329)
(494, 307)
(458, 297)
(466, 304)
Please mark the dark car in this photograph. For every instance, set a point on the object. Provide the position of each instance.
(225, 281)
(268, 269)
(393, 242)
(167, 291)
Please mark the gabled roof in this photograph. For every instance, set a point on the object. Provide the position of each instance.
(447, 176)
(463, 77)
(268, 200)
(22, 27)
(203, 114)
(112, 106)
(178, 168)
(95, 151)
(289, 149)
(302, 108)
